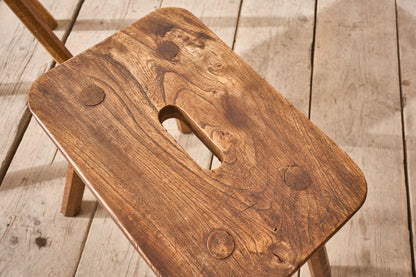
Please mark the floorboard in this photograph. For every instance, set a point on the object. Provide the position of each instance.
(22, 60)
(356, 101)
(276, 39)
(35, 239)
(406, 20)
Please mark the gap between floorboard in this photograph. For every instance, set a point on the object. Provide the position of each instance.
(25, 119)
(405, 166)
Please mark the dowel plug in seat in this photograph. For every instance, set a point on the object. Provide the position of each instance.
(283, 187)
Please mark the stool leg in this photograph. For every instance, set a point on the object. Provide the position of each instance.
(319, 264)
(40, 10)
(39, 29)
(183, 128)
(73, 192)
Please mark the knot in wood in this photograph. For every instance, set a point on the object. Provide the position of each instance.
(168, 50)
(220, 244)
(92, 96)
(296, 178)
(218, 66)
(282, 254)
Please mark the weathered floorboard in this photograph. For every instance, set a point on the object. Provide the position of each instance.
(356, 101)
(34, 22)
(118, 257)
(22, 60)
(275, 38)
(406, 19)
(35, 238)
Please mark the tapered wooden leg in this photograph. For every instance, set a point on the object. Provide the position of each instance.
(39, 29)
(43, 13)
(319, 264)
(183, 128)
(74, 190)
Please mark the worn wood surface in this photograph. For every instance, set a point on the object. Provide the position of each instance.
(153, 65)
(356, 101)
(406, 19)
(43, 13)
(22, 60)
(275, 38)
(39, 28)
(73, 193)
(107, 251)
(119, 257)
(35, 239)
(318, 263)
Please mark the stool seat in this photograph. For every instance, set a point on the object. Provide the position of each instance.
(283, 187)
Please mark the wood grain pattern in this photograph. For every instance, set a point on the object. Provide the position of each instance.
(39, 29)
(118, 257)
(22, 60)
(107, 251)
(43, 13)
(318, 263)
(158, 68)
(356, 101)
(275, 38)
(114, 256)
(406, 18)
(35, 239)
(73, 193)
(40, 22)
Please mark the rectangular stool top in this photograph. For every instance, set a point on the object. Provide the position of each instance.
(282, 190)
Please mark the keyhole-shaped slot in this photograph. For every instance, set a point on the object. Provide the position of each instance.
(197, 144)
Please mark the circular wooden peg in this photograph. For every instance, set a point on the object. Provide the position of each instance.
(220, 244)
(92, 96)
(296, 178)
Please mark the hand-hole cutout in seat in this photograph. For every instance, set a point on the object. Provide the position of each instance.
(197, 144)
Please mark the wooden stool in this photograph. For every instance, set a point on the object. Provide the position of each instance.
(282, 190)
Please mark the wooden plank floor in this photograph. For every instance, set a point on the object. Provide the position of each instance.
(348, 65)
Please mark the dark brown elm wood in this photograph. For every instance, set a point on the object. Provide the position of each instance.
(282, 190)
(43, 13)
(183, 127)
(73, 192)
(318, 263)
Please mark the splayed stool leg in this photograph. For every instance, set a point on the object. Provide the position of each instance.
(73, 192)
(318, 263)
